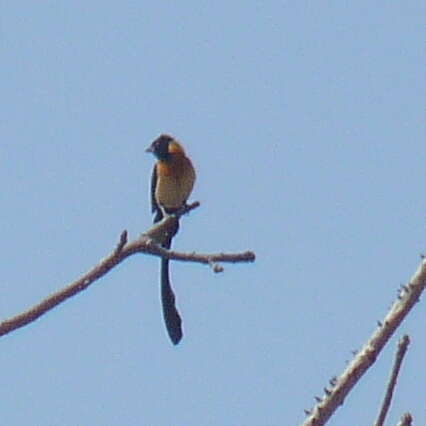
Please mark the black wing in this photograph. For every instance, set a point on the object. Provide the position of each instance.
(155, 208)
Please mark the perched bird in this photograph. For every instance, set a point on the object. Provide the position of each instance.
(172, 181)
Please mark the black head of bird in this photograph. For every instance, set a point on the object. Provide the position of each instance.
(160, 147)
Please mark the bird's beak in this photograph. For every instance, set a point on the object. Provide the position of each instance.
(150, 149)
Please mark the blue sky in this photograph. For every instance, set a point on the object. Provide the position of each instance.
(306, 122)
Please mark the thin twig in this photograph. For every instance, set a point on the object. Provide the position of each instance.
(368, 354)
(400, 353)
(122, 242)
(147, 243)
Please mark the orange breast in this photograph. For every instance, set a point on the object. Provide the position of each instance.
(175, 180)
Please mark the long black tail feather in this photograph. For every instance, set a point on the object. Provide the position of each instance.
(170, 313)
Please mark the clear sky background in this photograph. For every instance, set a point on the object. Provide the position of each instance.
(306, 122)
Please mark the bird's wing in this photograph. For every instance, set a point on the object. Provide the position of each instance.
(154, 206)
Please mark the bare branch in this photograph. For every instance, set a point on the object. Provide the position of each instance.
(147, 243)
(400, 353)
(367, 355)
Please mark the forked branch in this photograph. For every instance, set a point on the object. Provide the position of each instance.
(341, 386)
(148, 243)
(400, 353)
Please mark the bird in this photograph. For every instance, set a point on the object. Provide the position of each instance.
(172, 180)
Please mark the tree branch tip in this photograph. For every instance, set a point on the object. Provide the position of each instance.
(404, 341)
(187, 208)
(122, 242)
(406, 419)
(194, 205)
(251, 257)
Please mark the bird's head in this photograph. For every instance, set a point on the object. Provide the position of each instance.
(164, 146)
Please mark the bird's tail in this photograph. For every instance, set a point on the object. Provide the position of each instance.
(170, 313)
